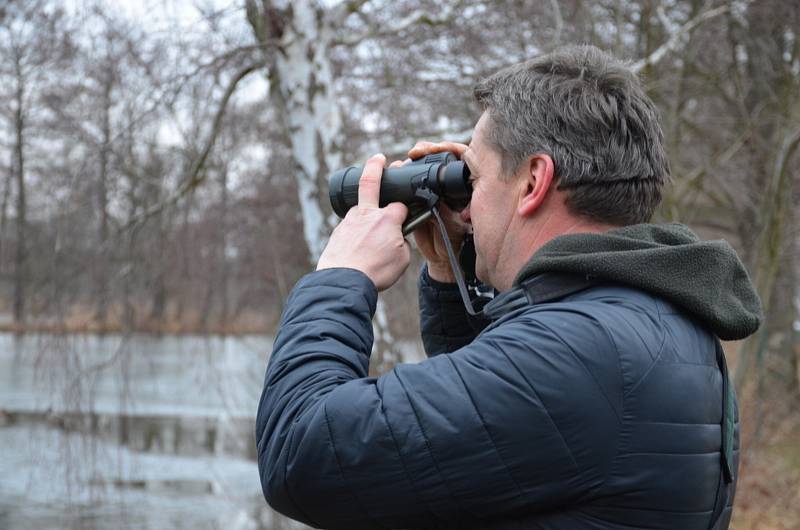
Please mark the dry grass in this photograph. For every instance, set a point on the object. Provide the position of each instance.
(82, 319)
(768, 495)
(769, 488)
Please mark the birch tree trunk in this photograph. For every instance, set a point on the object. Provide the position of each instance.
(297, 37)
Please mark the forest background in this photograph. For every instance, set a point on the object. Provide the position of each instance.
(163, 164)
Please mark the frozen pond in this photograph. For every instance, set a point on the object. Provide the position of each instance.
(132, 432)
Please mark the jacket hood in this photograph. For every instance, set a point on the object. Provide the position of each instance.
(704, 278)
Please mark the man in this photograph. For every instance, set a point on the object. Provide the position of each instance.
(594, 399)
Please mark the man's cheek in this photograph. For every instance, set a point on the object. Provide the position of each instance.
(480, 267)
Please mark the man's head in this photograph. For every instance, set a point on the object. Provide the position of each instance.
(567, 142)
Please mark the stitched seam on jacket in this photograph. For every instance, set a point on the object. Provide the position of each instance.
(644, 342)
(655, 361)
(428, 447)
(331, 320)
(341, 471)
(586, 368)
(333, 286)
(656, 510)
(486, 428)
(611, 460)
(675, 423)
(400, 455)
(348, 289)
(544, 407)
(656, 453)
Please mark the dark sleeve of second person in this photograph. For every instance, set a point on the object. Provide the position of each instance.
(445, 325)
(494, 429)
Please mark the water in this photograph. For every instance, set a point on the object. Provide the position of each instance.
(133, 432)
(136, 432)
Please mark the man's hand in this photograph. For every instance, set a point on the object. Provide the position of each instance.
(421, 149)
(369, 238)
(427, 235)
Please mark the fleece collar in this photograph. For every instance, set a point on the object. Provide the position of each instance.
(705, 278)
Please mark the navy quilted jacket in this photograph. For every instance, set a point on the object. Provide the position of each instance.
(597, 410)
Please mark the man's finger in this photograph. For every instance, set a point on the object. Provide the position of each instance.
(396, 163)
(423, 148)
(369, 185)
(398, 211)
(454, 147)
(427, 148)
(422, 144)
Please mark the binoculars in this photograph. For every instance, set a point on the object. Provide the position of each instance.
(420, 185)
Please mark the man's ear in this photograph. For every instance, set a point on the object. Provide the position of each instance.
(536, 182)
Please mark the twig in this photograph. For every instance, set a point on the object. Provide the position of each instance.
(420, 16)
(195, 177)
(345, 9)
(675, 38)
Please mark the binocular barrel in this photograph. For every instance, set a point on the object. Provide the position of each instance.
(440, 173)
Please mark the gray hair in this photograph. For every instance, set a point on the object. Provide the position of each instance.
(589, 112)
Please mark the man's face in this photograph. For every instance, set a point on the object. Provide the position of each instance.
(493, 203)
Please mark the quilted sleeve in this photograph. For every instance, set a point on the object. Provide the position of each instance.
(459, 438)
(444, 323)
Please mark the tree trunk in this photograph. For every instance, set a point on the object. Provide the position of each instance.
(223, 250)
(302, 90)
(769, 247)
(101, 265)
(158, 310)
(301, 81)
(20, 272)
(7, 185)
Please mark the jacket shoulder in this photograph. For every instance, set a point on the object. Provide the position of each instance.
(562, 358)
(639, 330)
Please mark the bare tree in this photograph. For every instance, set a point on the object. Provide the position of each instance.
(33, 39)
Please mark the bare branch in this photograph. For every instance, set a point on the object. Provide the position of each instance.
(345, 9)
(676, 37)
(664, 19)
(420, 16)
(790, 143)
(195, 176)
(694, 179)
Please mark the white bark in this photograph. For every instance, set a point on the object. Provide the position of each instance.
(304, 77)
